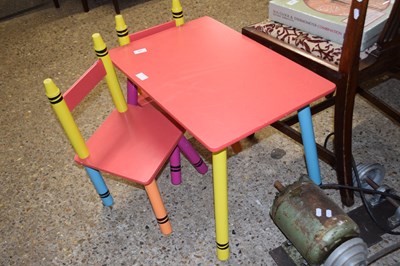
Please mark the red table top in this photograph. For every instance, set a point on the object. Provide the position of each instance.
(218, 84)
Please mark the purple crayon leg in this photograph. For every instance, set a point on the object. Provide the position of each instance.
(131, 93)
(175, 166)
(192, 155)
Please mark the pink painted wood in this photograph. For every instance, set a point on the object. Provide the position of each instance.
(144, 33)
(134, 145)
(184, 145)
(220, 93)
(74, 95)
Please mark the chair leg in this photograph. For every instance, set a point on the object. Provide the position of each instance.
(116, 6)
(100, 186)
(131, 93)
(343, 123)
(175, 159)
(85, 5)
(237, 147)
(183, 145)
(175, 166)
(56, 3)
(158, 207)
(192, 155)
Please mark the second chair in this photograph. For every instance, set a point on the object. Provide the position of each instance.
(134, 142)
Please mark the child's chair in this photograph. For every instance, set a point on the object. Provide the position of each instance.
(133, 142)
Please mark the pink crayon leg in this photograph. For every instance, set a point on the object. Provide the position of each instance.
(175, 166)
(192, 155)
(131, 93)
(175, 159)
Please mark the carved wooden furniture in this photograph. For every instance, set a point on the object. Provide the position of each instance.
(340, 64)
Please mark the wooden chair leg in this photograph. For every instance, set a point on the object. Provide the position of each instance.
(85, 5)
(116, 6)
(237, 147)
(158, 207)
(344, 105)
(56, 3)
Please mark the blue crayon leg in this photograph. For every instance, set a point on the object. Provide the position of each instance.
(100, 186)
(310, 148)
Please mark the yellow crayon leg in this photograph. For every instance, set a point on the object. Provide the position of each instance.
(122, 30)
(177, 13)
(111, 77)
(220, 176)
(67, 121)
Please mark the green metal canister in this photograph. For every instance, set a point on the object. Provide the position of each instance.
(310, 220)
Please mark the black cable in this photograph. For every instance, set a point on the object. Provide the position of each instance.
(361, 190)
(366, 204)
(327, 138)
(365, 190)
(385, 251)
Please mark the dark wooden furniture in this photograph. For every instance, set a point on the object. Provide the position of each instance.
(347, 75)
(385, 59)
(86, 6)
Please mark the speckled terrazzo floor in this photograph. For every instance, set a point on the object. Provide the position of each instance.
(49, 212)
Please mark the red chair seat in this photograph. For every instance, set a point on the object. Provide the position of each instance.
(134, 145)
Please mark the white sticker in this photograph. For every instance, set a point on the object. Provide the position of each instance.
(328, 213)
(318, 212)
(142, 76)
(140, 51)
(292, 2)
(356, 13)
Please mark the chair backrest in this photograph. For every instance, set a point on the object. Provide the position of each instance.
(390, 35)
(387, 53)
(63, 105)
(85, 84)
(350, 55)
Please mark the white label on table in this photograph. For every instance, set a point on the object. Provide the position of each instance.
(292, 2)
(140, 51)
(142, 76)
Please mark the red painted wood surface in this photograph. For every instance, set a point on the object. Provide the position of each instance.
(218, 84)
